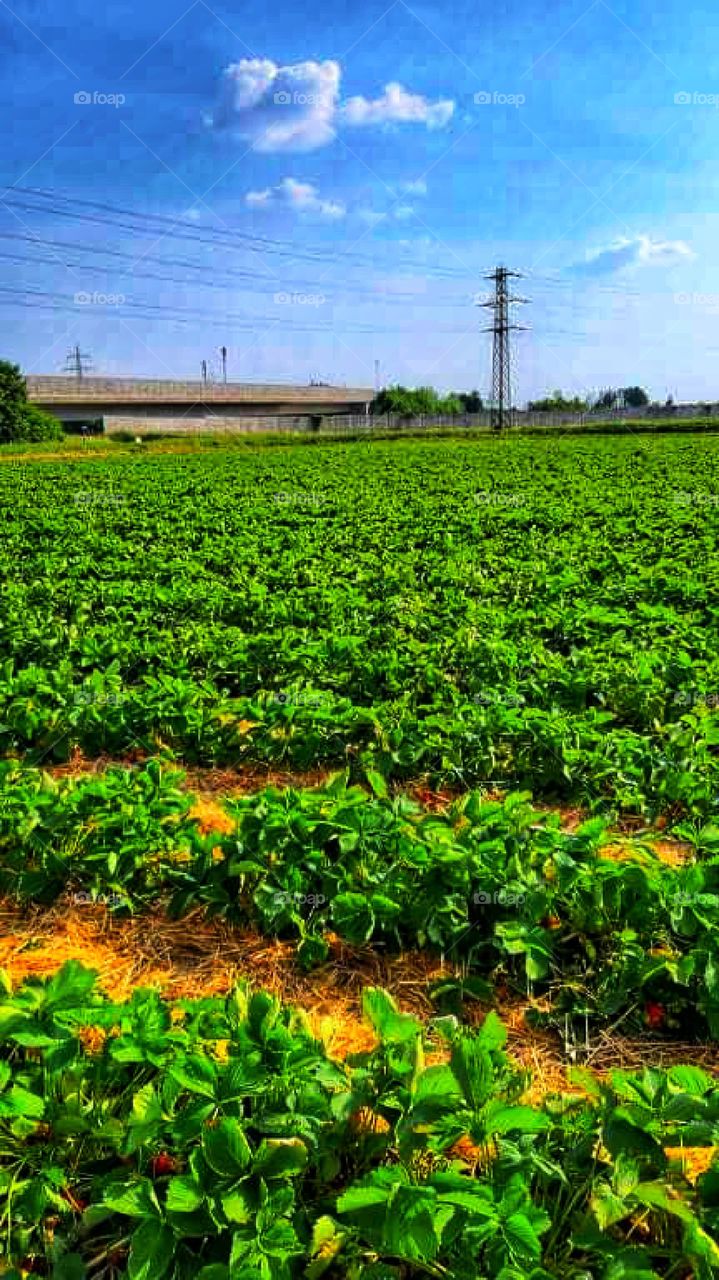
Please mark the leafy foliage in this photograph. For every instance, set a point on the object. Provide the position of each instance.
(626, 397)
(499, 885)
(19, 419)
(557, 402)
(216, 1139)
(413, 402)
(539, 616)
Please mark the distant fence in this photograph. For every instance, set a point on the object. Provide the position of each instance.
(151, 423)
(520, 418)
(470, 421)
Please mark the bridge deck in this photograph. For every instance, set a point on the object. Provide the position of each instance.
(49, 389)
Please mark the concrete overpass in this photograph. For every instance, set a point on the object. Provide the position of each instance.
(161, 405)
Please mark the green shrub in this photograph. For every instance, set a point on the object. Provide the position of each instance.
(20, 420)
(35, 424)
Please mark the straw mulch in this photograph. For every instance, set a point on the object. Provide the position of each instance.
(195, 957)
(200, 781)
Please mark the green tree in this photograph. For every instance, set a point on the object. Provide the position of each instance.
(471, 401)
(424, 400)
(13, 399)
(19, 419)
(557, 402)
(411, 402)
(635, 397)
(392, 400)
(606, 399)
(621, 397)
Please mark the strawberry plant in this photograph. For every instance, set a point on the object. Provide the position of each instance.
(566, 643)
(219, 1140)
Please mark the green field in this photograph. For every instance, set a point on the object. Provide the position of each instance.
(526, 612)
(526, 623)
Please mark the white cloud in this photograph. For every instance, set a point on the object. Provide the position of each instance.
(641, 251)
(302, 197)
(259, 197)
(397, 106)
(296, 107)
(398, 212)
(415, 187)
(279, 108)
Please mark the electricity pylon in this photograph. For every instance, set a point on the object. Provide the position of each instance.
(501, 411)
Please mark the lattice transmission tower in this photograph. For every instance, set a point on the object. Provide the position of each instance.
(501, 327)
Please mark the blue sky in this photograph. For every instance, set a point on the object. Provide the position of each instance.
(324, 189)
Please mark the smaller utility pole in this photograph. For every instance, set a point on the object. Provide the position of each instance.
(78, 362)
(223, 353)
(204, 371)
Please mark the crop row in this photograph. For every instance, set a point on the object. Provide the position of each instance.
(215, 1140)
(541, 613)
(556, 753)
(496, 885)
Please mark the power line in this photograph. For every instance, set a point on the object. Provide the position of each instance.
(224, 281)
(160, 224)
(58, 301)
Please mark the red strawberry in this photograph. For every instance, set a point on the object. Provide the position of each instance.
(162, 1165)
(654, 1014)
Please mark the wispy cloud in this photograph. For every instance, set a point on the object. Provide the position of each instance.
(300, 197)
(397, 106)
(414, 187)
(639, 251)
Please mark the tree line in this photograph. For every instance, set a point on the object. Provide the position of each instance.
(609, 398)
(414, 402)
